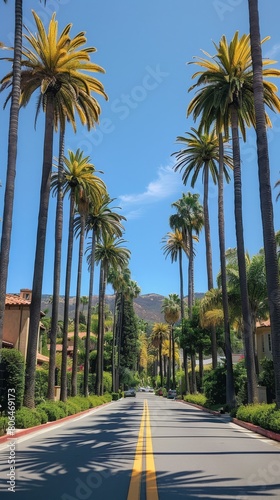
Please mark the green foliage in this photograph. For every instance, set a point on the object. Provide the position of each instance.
(25, 417)
(41, 385)
(3, 425)
(53, 410)
(193, 337)
(83, 403)
(107, 382)
(214, 385)
(198, 399)
(129, 378)
(11, 377)
(264, 415)
(129, 344)
(267, 378)
(115, 396)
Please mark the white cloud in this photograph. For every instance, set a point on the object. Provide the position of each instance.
(166, 184)
(272, 53)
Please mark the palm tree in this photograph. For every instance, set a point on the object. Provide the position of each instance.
(101, 219)
(11, 164)
(83, 186)
(201, 154)
(48, 69)
(174, 246)
(159, 334)
(230, 390)
(188, 219)
(227, 99)
(109, 253)
(272, 274)
(119, 279)
(171, 310)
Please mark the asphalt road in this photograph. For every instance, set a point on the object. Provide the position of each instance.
(143, 448)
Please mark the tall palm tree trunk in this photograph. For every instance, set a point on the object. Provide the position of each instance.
(11, 165)
(169, 359)
(230, 392)
(209, 266)
(77, 308)
(90, 296)
(160, 360)
(248, 337)
(173, 360)
(35, 307)
(272, 275)
(57, 272)
(63, 393)
(99, 361)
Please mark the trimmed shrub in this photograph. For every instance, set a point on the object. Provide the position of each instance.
(214, 385)
(259, 414)
(115, 396)
(53, 410)
(107, 381)
(11, 377)
(72, 408)
(25, 418)
(274, 421)
(82, 402)
(42, 414)
(198, 399)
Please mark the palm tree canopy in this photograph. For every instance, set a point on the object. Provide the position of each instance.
(56, 65)
(189, 215)
(201, 151)
(227, 79)
(174, 242)
(78, 177)
(110, 251)
(171, 308)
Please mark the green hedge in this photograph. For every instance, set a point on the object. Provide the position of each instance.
(53, 409)
(27, 418)
(264, 415)
(12, 378)
(198, 399)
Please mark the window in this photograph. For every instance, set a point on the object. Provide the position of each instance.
(269, 342)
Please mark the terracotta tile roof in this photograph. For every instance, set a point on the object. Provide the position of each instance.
(41, 357)
(16, 300)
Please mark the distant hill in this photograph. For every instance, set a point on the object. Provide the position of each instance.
(147, 307)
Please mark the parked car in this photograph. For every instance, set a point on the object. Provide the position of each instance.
(130, 393)
(172, 394)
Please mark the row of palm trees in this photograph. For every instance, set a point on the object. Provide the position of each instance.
(60, 68)
(225, 101)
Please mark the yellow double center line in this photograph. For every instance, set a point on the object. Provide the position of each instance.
(141, 453)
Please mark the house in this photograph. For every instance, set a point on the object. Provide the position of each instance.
(263, 341)
(16, 322)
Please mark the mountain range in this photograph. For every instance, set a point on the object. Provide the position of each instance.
(147, 307)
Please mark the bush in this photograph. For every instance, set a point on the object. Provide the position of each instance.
(263, 415)
(53, 410)
(107, 381)
(214, 385)
(115, 396)
(25, 418)
(42, 414)
(274, 421)
(267, 378)
(82, 402)
(3, 425)
(41, 385)
(12, 368)
(198, 399)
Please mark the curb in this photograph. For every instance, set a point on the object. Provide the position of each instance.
(257, 429)
(247, 425)
(23, 432)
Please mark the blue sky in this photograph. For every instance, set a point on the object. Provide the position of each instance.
(144, 48)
